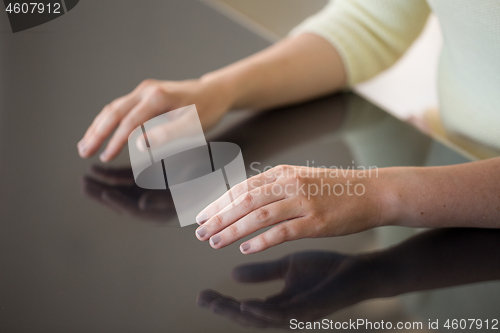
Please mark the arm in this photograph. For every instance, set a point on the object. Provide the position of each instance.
(300, 202)
(292, 70)
(359, 38)
(464, 195)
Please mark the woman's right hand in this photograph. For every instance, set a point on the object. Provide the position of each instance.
(150, 99)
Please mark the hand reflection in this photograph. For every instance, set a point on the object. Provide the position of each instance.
(320, 283)
(316, 284)
(115, 188)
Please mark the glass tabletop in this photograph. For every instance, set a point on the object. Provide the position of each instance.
(83, 249)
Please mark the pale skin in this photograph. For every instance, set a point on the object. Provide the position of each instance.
(294, 70)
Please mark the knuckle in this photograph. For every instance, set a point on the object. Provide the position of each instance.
(155, 99)
(248, 200)
(233, 231)
(280, 170)
(264, 240)
(155, 93)
(114, 104)
(282, 232)
(317, 225)
(108, 108)
(130, 123)
(112, 117)
(251, 184)
(218, 220)
(155, 89)
(236, 191)
(262, 215)
(126, 125)
(146, 83)
(296, 178)
(280, 167)
(215, 207)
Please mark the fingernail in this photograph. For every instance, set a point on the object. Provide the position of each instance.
(215, 240)
(201, 218)
(103, 157)
(245, 247)
(80, 143)
(201, 232)
(82, 149)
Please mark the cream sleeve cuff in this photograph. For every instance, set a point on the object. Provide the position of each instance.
(369, 35)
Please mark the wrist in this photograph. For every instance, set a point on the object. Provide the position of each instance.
(390, 195)
(225, 84)
(383, 272)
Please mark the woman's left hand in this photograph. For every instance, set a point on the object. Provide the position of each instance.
(299, 202)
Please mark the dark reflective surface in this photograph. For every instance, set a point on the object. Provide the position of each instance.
(82, 249)
(318, 284)
(116, 189)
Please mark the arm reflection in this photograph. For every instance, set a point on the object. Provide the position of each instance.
(321, 283)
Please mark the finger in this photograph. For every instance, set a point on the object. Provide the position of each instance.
(261, 272)
(155, 200)
(113, 176)
(231, 309)
(302, 306)
(268, 215)
(226, 306)
(206, 297)
(142, 112)
(120, 202)
(105, 123)
(118, 105)
(271, 312)
(236, 191)
(94, 190)
(243, 205)
(287, 231)
(283, 296)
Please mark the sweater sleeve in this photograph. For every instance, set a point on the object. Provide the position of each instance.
(370, 35)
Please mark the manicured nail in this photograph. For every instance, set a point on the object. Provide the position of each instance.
(201, 218)
(103, 157)
(201, 232)
(215, 240)
(245, 247)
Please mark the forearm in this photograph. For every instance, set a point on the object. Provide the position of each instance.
(464, 195)
(439, 258)
(293, 70)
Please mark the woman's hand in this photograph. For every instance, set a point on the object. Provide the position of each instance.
(300, 202)
(316, 285)
(116, 189)
(150, 99)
